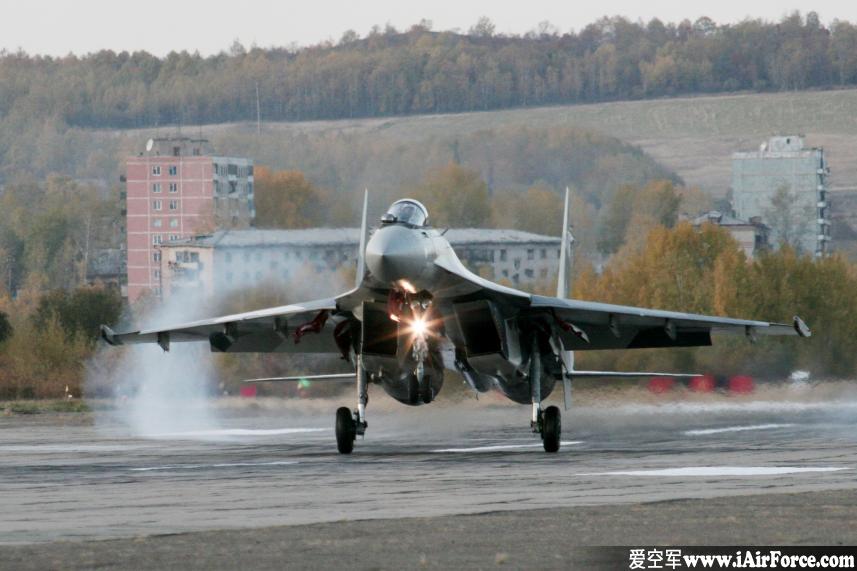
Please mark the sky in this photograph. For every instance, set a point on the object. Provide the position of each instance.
(160, 26)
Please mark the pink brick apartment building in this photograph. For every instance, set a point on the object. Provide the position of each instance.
(175, 189)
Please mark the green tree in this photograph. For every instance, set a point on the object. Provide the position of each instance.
(80, 312)
(5, 327)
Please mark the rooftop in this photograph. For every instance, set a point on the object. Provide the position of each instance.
(721, 219)
(339, 236)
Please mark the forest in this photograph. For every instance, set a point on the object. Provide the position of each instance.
(416, 71)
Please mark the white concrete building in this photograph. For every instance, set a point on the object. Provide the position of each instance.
(235, 258)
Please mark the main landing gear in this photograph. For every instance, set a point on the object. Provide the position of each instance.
(349, 425)
(546, 423)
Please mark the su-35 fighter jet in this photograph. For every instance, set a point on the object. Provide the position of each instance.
(416, 311)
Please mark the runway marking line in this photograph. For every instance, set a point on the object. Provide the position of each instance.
(225, 465)
(502, 447)
(240, 432)
(697, 471)
(707, 431)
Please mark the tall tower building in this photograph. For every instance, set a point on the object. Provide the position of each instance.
(784, 184)
(175, 189)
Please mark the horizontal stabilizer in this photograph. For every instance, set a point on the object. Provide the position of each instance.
(331, 377)
(598, 374)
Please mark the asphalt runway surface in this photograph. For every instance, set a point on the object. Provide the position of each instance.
(66, 479)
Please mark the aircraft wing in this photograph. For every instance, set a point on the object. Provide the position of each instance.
(309, 327)
(592, 325)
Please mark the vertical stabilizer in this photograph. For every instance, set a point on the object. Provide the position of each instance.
(361, 252)
(562, 293)
(564, 253)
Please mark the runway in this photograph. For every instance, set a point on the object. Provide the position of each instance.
(63, 477)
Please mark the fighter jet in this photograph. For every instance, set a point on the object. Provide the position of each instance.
(416, 311)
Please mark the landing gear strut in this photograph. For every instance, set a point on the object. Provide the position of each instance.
(546, 423)
(349, 425)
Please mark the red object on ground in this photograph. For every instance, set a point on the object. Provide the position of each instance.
(248, 391)
(660, 385)
(703, 384)
(741, 384)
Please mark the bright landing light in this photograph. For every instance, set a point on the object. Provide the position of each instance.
(419, 326)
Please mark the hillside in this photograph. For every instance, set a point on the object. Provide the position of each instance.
(693, 136)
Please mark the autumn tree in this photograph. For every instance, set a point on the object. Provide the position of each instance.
(287, 199)
(537, 210)
(704, 271)
(633, 212)
(455, 196)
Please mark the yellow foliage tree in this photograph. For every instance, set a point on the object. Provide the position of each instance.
(455, 196)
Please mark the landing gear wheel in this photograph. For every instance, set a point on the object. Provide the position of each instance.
(551, 429)
(346, 430)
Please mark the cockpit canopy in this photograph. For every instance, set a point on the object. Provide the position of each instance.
(406, 211)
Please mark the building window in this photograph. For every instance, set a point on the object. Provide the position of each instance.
(156, 170)
(285, 274)
(258, 256)
(156, 187)
(543, 273)
(174, 237)
(156, 291)
(174, 204)
(157, 274)
(531, 254)
(174, 187)
(156, 239)
(528, 273)
(228, 258)
(177, 151)
(156, 222)
(156, 257)
(246, 255)
(274, 265)
(544, 253)
(156, 205)
(286, 255)
(174, 170)
(174, 222)
(502, 255)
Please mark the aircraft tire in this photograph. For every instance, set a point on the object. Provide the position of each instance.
(346, 431)
(551, 429)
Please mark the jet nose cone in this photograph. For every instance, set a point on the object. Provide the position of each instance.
(396, 252)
